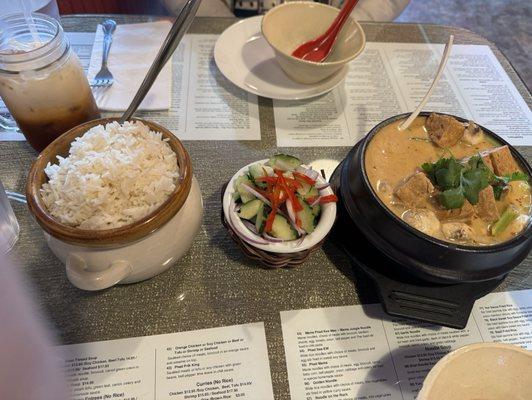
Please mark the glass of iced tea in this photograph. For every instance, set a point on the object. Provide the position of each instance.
(42, 81)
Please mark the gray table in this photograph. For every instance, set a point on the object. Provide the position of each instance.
(214, 285)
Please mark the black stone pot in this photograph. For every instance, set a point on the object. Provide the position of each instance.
(418, 254)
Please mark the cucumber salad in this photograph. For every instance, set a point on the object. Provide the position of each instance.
(279, 200)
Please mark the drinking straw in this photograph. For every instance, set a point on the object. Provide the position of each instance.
(26, 8)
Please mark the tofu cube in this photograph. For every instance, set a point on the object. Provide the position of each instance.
(465, 213)
(444, 130)
(503, 161)
(487, 160)
(415, 190)
(486, 208)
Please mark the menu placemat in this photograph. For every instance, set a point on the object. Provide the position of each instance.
(220, 363)
(359, 352)
(391, 78)
(204, 105)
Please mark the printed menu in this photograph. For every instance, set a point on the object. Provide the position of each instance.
(205, 106)
(220, 363)
(359, 352)
(391, 78)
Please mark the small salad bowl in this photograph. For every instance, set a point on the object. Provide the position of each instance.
(288, 251)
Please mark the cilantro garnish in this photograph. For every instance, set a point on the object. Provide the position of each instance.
(500, 182)
(459, 182)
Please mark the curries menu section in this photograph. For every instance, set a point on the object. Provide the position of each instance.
(220, 363)
(350, 352)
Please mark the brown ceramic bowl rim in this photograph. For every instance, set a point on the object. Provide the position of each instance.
(116, 236)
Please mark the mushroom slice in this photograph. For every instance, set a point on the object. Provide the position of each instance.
(457, 231)
(473, 134)
(423, 220)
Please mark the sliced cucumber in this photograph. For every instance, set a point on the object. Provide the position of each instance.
(304, 188)
(245, 196)
(313, 192)
(307, 217)
(250, 209)
(282, 229)
(260, 219)
(284, 162)
(316, 210)
(257, 171)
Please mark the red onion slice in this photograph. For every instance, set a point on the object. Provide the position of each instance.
(292, 217)
(257, 194)
(300, 241)
(323, 186)
(315, 201)
(250, 226)
(308, 172)
(272, 239)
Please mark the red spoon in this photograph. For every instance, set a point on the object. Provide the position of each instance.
(319, 48)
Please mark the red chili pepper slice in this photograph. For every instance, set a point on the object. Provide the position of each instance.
(264, 193)
(269, 221)
(292, 182)
(289, 192)
(304, 178)
(331, 198)
(275, 199)
(311, 199)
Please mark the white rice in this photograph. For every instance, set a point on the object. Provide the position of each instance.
(113, 176)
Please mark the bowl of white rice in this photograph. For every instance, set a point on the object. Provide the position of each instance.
(118, 202)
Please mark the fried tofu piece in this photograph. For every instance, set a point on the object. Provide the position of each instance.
(503, 161)
(487, 160)
(465, 213)
(415, 191)
(486, 208)
(444, 130)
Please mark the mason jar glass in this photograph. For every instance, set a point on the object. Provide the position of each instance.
(42, 81)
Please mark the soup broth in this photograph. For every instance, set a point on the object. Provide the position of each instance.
(394, 161)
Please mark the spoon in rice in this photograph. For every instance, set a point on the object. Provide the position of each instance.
(178, 30)
(446, 52)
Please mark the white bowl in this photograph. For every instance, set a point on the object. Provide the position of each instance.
(483, 371)
(325, 223)
(291, 24)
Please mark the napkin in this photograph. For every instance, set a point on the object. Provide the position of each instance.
(132, 52)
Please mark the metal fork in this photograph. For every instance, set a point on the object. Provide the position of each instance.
(104, 77)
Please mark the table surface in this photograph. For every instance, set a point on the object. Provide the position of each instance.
(214, 284)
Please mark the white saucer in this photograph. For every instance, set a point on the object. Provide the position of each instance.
(246, 59)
